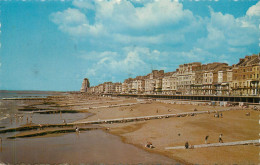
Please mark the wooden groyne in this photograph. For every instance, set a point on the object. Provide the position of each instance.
(79, 110)
(247, 142)
(143, 118)
(27, 98)
(43, 133)
(112, 106)
(79, 104)
(35, 127)
(57, 111)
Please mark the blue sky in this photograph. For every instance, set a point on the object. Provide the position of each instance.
(53, 45)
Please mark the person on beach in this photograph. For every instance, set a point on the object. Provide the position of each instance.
(221, 115)
(31, 120)
(77, 130)
(220, 139)
(40, 126)
(0, 144)
(186, 145)
(149, 145)
(206, 139)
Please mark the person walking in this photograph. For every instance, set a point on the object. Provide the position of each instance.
(186, 145)
(0, 144)
(220, 139)
(206, 139)
(77, 130)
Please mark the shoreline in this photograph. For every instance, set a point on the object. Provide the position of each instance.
(124, 140)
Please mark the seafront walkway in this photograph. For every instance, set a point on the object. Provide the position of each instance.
(248, 99)
(247, 142)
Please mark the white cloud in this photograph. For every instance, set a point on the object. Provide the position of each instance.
(96, 56)
(84, 4)
(74, 22)
(131, 59)
(123, 22)
(225, 32)
(124, 15)
(196, 54)
(69, 17)
(254, 10)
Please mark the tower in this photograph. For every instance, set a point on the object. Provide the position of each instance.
(85, 85)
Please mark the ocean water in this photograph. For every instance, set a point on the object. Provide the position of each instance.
(11, 117)
(22, 94)
(9, 108)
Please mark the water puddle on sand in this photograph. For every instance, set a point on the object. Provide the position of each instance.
(87, 147)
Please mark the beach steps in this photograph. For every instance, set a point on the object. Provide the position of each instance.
(247, 142)
(143, 118)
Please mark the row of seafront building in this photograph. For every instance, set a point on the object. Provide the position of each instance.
(241, 79)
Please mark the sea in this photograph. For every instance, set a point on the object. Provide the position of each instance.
(10, 107)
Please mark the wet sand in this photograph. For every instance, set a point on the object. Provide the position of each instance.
(88, 147)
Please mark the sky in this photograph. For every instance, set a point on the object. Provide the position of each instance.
(54, 45)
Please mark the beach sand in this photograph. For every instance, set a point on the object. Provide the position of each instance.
(234, 125)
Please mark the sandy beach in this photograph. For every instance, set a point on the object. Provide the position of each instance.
(234, 125)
